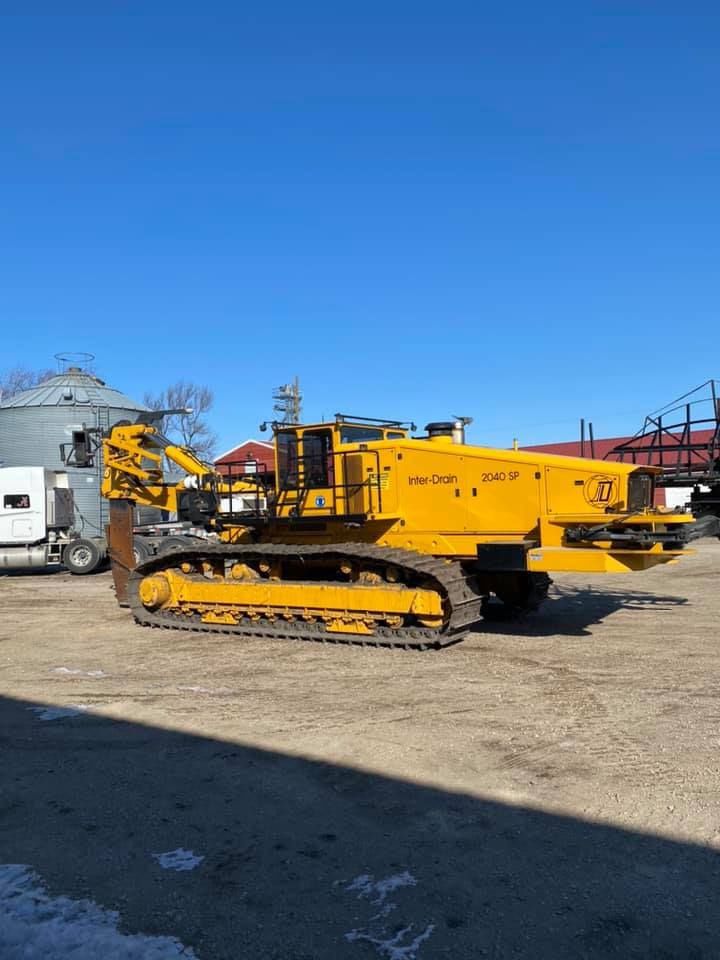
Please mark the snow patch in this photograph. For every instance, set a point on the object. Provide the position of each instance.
(394, 948)
(35, 926)
(179, 859)
(367, 886)
(60, 713)
(399, 946)
(205, 689)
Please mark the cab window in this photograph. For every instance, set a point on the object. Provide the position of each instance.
(16, 501)
(359, 434)
(353, 434)
(287, 460)
(317, 458)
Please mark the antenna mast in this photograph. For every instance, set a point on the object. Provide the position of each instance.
(288, 401)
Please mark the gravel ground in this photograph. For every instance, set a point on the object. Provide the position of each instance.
(547, 788)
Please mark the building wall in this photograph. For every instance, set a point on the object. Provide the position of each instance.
(253, 450)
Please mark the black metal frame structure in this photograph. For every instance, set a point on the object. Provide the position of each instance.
(374, 421)
(301, 490)
(234, 470)
(668, 439)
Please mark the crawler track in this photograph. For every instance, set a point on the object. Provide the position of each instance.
(460, 599)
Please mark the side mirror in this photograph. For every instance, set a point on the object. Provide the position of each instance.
(80, 452)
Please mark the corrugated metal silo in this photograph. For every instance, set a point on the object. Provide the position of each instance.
(35, 422)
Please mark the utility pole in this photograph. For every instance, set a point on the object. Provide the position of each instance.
(288, 401)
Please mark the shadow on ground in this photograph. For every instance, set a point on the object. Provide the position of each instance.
(571, 611)
(87, 801)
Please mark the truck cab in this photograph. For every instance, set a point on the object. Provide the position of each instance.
(37, 515)
(33, 502)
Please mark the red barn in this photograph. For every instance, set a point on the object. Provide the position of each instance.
(247, 457)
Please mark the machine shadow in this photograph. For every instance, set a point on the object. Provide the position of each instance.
(306, 860)
(571, 611)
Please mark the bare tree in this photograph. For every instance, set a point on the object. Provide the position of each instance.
(20, 378)
(190, 429)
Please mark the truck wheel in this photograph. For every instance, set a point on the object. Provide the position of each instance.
(173, 542)
(82, 556)
(142, 550)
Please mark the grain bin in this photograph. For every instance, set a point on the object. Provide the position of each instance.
(35, 422)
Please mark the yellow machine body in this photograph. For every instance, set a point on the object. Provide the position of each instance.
(443, 498)
(374, 535)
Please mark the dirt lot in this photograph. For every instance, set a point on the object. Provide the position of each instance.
(548, 788)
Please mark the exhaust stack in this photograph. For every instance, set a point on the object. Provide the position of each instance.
(453, 430)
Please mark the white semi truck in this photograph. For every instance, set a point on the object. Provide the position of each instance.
(37, 519)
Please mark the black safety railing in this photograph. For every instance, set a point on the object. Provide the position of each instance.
(313, 485)
(683, 439)
(244, 504)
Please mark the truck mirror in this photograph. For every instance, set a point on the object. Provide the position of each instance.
(79, 453)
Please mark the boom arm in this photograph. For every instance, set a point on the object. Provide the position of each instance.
(133, 469)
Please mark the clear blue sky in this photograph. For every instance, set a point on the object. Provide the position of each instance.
(510, 211)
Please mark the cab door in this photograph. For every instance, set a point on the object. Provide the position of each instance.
(22, 505)
(286, 473)
(316, 473)
(306, 473)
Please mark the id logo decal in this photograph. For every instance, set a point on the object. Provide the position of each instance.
(600, 491)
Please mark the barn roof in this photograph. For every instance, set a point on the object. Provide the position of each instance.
(240, 446)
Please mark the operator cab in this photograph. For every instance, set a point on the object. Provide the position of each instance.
(316, 466)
